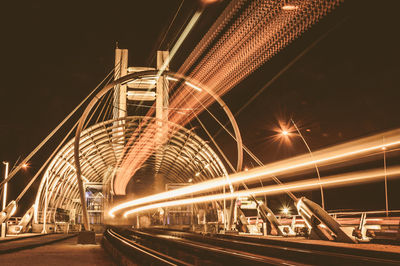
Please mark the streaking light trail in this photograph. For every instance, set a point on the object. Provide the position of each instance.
(245, 36)
(223, 58)
(349, 150)
(179, 42)
(348, 179)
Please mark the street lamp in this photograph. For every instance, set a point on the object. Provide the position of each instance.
(386, 186)
(285, 210)
(3, 225)
(285, 133)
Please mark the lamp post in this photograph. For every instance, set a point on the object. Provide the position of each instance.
(386, 187)
(285, 133)
(285, 211)
(44, 231)
(3, 225)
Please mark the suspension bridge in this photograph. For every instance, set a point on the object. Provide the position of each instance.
(140, 165)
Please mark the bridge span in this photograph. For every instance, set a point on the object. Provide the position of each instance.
(143, 176)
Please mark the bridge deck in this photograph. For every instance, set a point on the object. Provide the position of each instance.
(64, 252)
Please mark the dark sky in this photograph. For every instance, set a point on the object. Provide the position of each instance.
(54, 53)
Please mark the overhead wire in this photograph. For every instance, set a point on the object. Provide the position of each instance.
(166, 32)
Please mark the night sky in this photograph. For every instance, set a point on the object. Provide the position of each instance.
(54, 53)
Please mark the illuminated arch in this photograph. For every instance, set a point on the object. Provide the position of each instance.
(131, 77)
(184, 155)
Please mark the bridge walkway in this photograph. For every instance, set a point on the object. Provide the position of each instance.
(65, 251)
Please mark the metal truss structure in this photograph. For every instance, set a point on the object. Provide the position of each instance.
(183, 156)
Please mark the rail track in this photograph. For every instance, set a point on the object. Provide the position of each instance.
(158, 246)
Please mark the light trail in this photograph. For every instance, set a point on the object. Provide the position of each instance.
(349, 150)
(257, 34)
(132, 162)
(245, 36)
(179, 42)
(141, 147)
(348, 179)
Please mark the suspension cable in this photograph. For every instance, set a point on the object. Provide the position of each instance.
(45, 164)
(283, 70)
(252, 155)
(48, 159)
(27, 158)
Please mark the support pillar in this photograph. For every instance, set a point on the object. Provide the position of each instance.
(162, 104)
(120, 92)
(162, 100)
(119, 100)
(121, 69)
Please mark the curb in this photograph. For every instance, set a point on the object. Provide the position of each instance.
(21, 238)
(11, 250)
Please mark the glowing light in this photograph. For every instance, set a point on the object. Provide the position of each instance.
(143, 81)
(253, 37)
(208, 2)
(197, 174)
(25, 165)
(151, 93)
(290, 7)
(246, 169)
(284, 131)
(190, 180)
(322, 157)
(171, 78)
(285, 210)
(180, 40)
(14, 209)
(226, 56)
(141, 93)
(349, 179)
(193, 86)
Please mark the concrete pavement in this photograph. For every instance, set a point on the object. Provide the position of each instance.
(65, 252)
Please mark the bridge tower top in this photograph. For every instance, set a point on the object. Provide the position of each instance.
(151, 89)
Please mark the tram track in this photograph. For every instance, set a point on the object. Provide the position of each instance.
(197, 249)
(189, 252)
(301, 252)
(121, 246)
